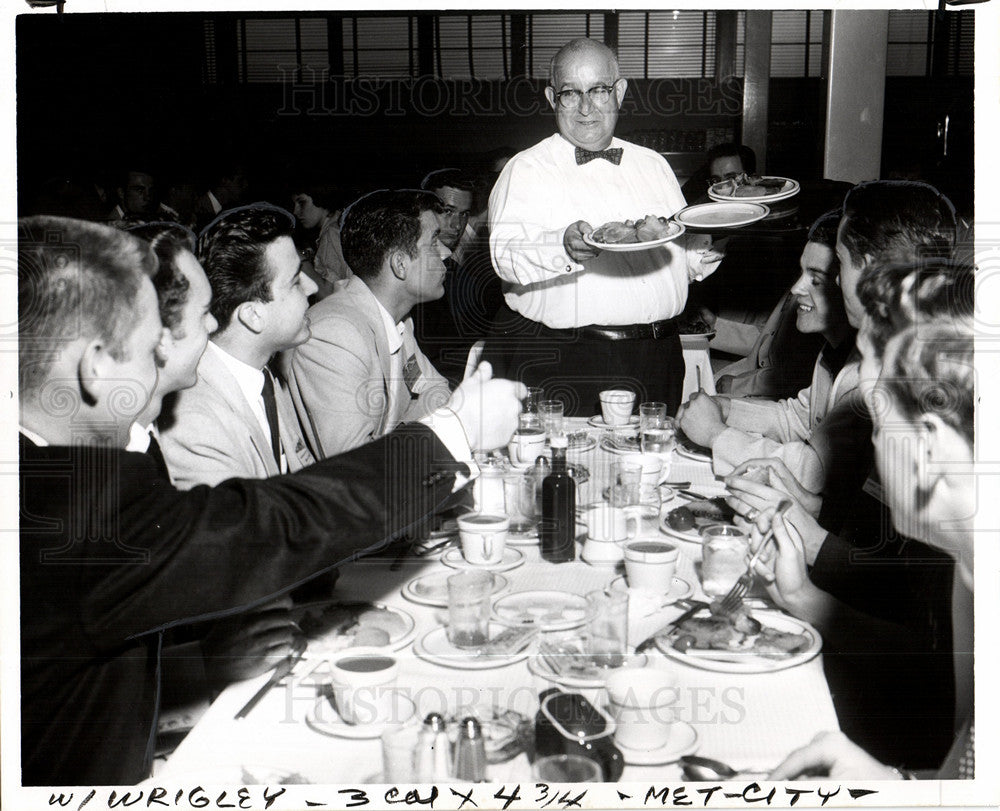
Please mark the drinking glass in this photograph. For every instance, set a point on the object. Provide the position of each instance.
(520, 504)
(469, 595)
(607, 627)
(567, 769)
(551, 413)
(625, 485)
(656, 429)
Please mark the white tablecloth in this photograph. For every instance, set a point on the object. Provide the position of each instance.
(751, 721)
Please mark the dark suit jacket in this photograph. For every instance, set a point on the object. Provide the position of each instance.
(112, 554)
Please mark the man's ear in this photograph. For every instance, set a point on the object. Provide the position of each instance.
(163, 349)
(621, 85)
(550, 94)
(251, 315)
(399, 264)
(92, 372)
(946, 447)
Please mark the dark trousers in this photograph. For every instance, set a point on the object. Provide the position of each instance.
(574, 367)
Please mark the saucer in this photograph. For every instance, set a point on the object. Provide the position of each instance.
(512, 558)
(683, 741)
(432, 589)
(325, 720)
(680, 589)
(597, 421)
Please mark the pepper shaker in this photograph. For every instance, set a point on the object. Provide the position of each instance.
(470, 753)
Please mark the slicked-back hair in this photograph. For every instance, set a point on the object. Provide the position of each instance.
(168, 239)
(380, 222)
(231, 250)
(453, 178)
(897, 220)
(733, 150)
(928, 369)
(824, 229)
(897, 296)
(76, 280)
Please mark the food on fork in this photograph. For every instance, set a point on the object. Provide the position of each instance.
(632, 231)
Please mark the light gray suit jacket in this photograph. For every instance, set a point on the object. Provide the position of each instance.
(341, 378)
(209, 434)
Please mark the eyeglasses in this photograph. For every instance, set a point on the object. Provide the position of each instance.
(599, 95)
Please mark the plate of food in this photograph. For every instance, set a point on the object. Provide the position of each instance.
(564, 661)
(634, 235)
(690, 449)
(710, 216)
(686, 522)
(545, 610)
(505, 646)
(432, 589)
(741, 641)
(333, 626)
(760, 188)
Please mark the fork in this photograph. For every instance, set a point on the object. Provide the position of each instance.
(734, 598)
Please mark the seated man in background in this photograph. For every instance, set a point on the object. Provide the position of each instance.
(138, 201)
(722, 162)
(237, 419)
(99, 586)
(362, 373)
(741, 429)
(446, 328)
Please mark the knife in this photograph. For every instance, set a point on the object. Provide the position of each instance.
(284, 667)
(648, 644)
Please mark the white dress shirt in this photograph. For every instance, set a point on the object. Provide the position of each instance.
(251, 383)
(541, 191)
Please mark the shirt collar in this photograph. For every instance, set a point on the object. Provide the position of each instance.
(35, 438)
(250, 380)
(393, 331)
(215, 202)
(138, 438)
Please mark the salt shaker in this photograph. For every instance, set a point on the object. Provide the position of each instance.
(470, 752)
(432, 762)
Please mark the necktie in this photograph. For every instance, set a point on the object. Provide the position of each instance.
(156, 453)
(612, 155)
(271, 411)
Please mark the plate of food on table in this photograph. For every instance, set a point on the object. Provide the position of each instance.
(687, 521)
(634, 235)
(741, 641)
(760, 188)
(690, 449)
(563, 659)
(334, 626)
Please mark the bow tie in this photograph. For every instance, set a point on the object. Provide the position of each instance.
(612, 155)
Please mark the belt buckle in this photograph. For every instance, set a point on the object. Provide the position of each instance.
(655, 327)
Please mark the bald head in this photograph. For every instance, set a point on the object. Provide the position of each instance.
(582, 48)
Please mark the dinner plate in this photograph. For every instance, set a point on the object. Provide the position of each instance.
(432, 589)
(435, 647)
(548, 610)
(722, 215)
(790, 189)
(323, 645)
(683, 740)
(580, 444)
(676, 229)
(324, 719)
(691, 450)
(611, 446)
(749, 662)
(663, 493)
(680, 589)
(597, 421)
(538, 666)
(512, 558)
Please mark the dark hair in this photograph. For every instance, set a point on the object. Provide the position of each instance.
(824, 229)
(897, 221)
(330, 196)
(928, 369)
(231, 250)
(168, 239)
(731, 150)
(381, 222)
(898, 296)
(75, 279)
(455, 178)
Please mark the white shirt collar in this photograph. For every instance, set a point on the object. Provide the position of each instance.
(250, 380)
(393, 331)
(138, 438)
(216, 205)
(35, 438)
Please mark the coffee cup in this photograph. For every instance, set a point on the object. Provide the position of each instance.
(643, 703)
(364, 681)
(650, 565)
(616, 406)
(526, 445)
(483, 537)
(654, 469)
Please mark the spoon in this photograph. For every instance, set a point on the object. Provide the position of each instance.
(706, 768)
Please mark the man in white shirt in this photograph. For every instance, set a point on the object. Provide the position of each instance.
(237, 419)
(579, 319)
(362, 373)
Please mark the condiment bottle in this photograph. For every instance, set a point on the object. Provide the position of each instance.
(557, 530)
(432, 760)
(470, 752)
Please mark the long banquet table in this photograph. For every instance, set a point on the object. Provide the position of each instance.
(750, 720)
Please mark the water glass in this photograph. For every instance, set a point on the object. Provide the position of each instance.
(551, 413)
(606, 634)
(567, 769)
(656, 429)
(520, 504)
(533, 399)
(625, 485)
(469, 598)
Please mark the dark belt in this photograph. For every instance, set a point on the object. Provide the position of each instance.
(656, 330)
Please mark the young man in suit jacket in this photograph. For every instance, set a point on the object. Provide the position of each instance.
(224, 425)
(111, 554)
(361, 373)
